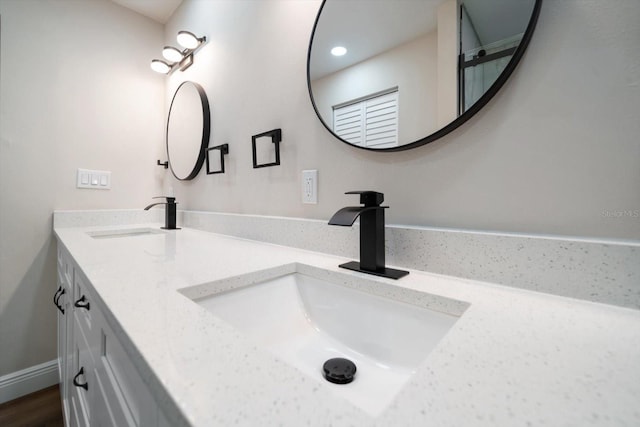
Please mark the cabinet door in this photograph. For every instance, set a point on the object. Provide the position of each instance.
(125, 392)
(65, 327)
(58, 300)
(83, 383)
(162, 420)
(68, 371)
(111, 409)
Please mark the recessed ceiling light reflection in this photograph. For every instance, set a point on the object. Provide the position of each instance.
(338, 51)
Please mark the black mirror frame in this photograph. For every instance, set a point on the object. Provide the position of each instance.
(206, 130)
(484, 99)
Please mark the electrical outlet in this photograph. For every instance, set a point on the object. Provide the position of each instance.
(310, 187)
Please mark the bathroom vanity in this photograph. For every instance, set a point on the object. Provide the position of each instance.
(99, 383)
(138, 345)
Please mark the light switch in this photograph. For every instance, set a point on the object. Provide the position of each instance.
(99, 180)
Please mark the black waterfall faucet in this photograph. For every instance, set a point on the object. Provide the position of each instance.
(371, 234)
(169, 213)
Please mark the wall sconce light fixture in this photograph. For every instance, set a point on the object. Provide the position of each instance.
(175, 58)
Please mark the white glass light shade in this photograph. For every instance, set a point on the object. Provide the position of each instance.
(187, 39)
(172, 54)
(338, 51)
(160, 66)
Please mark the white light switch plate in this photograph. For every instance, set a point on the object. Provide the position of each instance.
(97, 180)
(310, 187)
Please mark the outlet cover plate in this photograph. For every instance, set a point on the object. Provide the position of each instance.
(310, 187)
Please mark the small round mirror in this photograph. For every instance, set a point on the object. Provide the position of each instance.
(188, 127)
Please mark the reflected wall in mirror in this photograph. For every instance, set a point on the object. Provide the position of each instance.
(188, 127)
(414, 70)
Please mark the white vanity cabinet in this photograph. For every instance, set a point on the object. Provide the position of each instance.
(99, 384)
(61, 300)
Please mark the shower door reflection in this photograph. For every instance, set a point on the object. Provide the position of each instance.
(485, 50)
(481, 66)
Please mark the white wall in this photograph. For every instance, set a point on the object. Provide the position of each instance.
(411, 66)
(555, 152)
(447, 62)
(76, 91)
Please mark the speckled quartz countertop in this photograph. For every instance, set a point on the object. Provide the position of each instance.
(514, 358)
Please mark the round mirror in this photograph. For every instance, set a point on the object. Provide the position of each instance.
(391, 75)
(188, 129)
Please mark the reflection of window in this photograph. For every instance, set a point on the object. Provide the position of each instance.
(371, 121)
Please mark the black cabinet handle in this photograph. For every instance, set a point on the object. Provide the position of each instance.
(75, 380)
(82, 303)
(56, 299)
(55, 296)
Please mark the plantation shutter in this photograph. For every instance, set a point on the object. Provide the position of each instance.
(369, 122)
(348, 123)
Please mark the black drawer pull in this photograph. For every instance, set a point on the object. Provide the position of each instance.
(56, 300)
(82, 303)
(75, 380)
(55, 296)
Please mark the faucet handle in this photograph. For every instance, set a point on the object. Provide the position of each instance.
(170, 199)
(369, 198)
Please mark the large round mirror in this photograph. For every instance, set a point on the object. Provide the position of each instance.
(188, 129)
(396, 74)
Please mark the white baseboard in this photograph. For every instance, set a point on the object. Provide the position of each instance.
(28, 380)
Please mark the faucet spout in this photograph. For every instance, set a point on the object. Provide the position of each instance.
(170, 212)
(348, 215)
(153, 204)
(372, 259)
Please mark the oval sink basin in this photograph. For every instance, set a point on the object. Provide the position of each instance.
(305, 321)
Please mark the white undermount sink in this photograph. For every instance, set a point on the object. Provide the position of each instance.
(306, 315)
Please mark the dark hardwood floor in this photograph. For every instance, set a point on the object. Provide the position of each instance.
(40, 409)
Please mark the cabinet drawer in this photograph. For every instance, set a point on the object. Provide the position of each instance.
(64, 263)
(124, 390)
(61, 299)
(82, 304)
(79, 418)
(58, 301)
(83, 383)
(110, 410)
(63, 281)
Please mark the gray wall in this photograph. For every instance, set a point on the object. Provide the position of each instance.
(555, 152)
(76, 91)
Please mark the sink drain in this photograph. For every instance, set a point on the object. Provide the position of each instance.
(339, 370)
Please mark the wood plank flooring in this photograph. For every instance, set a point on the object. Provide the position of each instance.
(40, 409)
